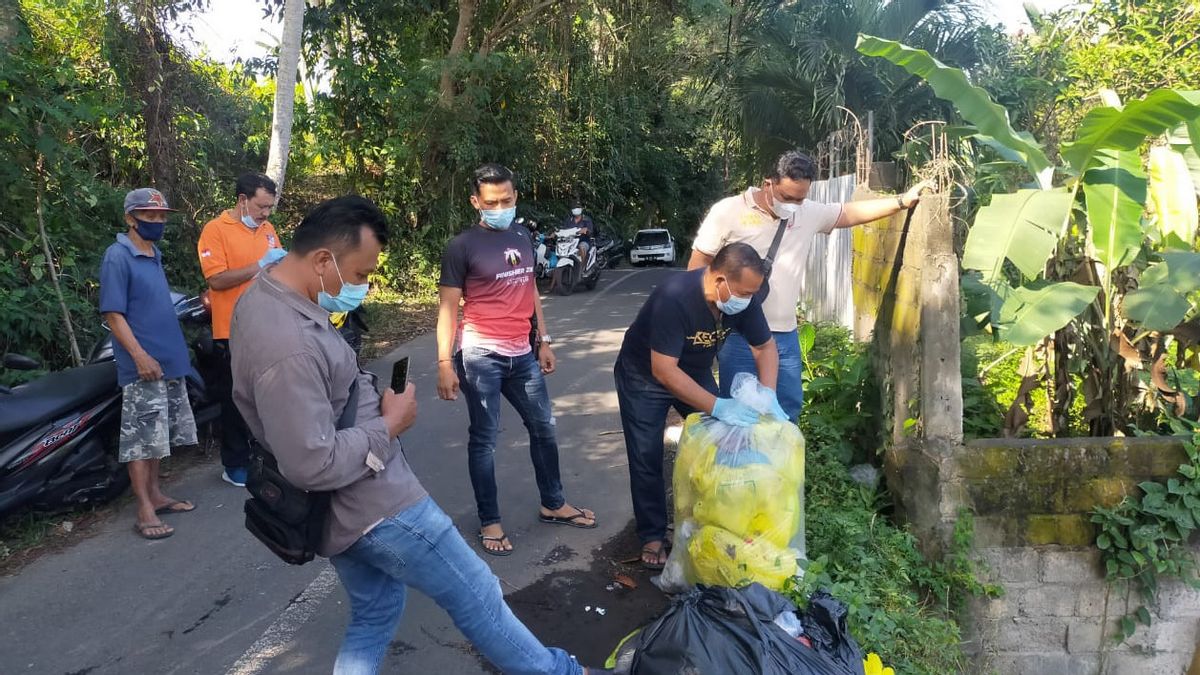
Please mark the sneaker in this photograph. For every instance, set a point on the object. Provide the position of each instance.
(235, 476)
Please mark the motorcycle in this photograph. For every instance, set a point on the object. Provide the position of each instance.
(611, 250)
(546, 259)
(569, 270)
(59, 432)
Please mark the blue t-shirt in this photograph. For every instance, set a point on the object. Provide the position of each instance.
(676, 321)
(134, 284)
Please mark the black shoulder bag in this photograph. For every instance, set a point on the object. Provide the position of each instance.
(769, 261)
(286, 519)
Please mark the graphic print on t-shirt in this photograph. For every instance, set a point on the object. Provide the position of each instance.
(489, 266)
(709, 338)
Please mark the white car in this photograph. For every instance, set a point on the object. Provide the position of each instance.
(652, 246)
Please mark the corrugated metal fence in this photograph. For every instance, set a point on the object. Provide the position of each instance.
(825, 293)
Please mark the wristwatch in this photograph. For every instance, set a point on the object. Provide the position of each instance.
(545, 340)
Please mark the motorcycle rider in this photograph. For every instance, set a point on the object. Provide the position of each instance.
(233, 247)
(586, 228)
(151, 355)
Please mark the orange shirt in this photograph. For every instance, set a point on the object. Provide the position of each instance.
(227, 244)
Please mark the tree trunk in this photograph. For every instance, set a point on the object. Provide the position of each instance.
(76, 356)
(462, 32)
(285, 92)
(156, 106)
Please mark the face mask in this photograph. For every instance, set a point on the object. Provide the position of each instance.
(148, 230)
(498, 219)
(734, 305)
(783, 209)
(347, 299)
(577, 212)
(249, 222)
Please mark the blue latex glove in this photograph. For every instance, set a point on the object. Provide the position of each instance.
(273, 256)
(732, 412)
(777, 410)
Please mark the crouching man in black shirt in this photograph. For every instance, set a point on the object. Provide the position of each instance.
(666, 360)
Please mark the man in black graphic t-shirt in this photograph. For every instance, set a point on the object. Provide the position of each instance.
(666, 360)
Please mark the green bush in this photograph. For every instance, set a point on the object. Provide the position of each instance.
(901, 605)
(841, 396)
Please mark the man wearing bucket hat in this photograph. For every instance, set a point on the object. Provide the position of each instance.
(151, 356)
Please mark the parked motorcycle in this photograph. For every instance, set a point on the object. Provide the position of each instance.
(569, 270)
(59, 432)
(611, 250)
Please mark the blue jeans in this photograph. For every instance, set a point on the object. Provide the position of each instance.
(735, 357)
(644, 405)
(419, 547)
(484, 377)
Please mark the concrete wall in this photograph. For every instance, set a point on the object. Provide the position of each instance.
(1032, 501)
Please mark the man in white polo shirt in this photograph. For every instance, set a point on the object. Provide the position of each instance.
(754, 217)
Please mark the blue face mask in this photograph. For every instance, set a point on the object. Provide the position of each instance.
(498, 219)
(249, 222)
(148, 230)
(734, 305)
(347, 300)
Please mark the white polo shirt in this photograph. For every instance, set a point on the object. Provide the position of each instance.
(739, 219)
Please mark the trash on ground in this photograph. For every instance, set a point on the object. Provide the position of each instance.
(714, 629)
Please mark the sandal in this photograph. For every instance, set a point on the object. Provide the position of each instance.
(143, 530)
(175, 506)
(659, 553)
(572, 521)
(499, 552)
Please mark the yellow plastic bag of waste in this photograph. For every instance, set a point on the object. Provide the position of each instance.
(721, 558)
(745, 481)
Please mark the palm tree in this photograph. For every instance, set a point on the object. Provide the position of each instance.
(797, 66)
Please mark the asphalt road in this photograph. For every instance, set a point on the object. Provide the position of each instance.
(211, 599)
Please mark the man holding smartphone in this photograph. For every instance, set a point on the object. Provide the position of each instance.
(490, 269)
(292, 375)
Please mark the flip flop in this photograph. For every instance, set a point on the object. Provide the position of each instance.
(571, 521)
(498, 552)
(169, 507)
(141, 528)
(655, 566)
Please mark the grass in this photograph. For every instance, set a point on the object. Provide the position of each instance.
(902, 605)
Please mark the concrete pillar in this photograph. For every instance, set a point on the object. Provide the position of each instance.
(940, 352)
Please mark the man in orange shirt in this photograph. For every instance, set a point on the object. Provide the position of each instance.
(233, 247)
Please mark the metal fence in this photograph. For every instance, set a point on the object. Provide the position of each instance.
(825, 284)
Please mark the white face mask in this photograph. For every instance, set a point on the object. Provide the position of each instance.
(577, 212)
(783, 209)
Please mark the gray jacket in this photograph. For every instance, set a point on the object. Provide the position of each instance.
(291, 379)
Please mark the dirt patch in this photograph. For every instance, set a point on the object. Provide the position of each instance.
(391, 322)
(588, 612)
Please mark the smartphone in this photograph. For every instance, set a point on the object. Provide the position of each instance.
(400, 375)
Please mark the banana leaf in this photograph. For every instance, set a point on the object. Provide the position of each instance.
(1031, 313)
(973, 103)
(1023, 227)
(1127, 128)
(1116, 198)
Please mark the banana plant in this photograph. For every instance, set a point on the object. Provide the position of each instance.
(1025, 228)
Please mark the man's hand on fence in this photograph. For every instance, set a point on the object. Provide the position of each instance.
(913, 196)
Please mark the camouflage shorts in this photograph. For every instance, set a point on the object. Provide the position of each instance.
(155, 416)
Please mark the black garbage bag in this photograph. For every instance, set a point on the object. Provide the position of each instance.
(714, 630)
(825, 625)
